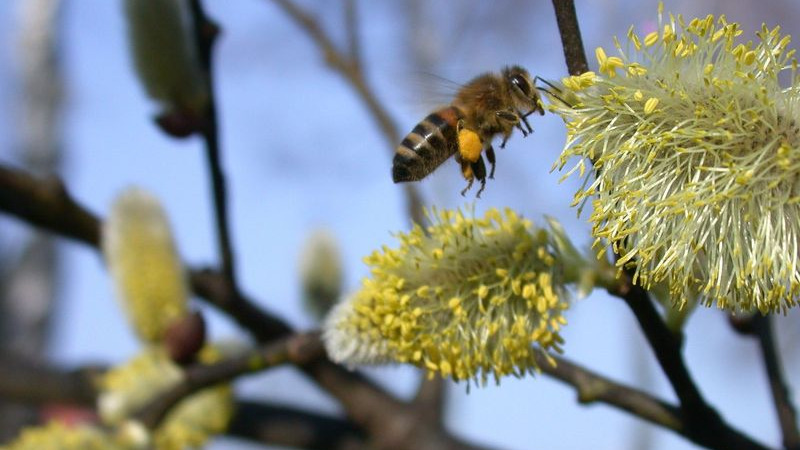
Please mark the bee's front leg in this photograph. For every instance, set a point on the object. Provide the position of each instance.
(525, 121)
(513, 119)
(466, 171)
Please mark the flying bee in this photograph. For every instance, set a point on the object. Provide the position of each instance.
(491, 104)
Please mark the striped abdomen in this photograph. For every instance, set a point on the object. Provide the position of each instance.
(428, 145)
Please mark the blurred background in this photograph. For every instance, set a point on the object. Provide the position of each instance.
(302, 153)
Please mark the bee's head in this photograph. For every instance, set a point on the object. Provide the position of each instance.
(523, 91)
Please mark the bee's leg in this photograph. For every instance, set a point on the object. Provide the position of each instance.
(524, 118)
(479, 169)
(466, 171)
(505, 139)
(490, 157)
(512, 118)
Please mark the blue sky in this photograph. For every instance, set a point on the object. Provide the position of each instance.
(301, 153)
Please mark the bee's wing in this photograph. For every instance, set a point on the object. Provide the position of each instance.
(428, 92)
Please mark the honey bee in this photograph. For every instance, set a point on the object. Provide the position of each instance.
(491, 104)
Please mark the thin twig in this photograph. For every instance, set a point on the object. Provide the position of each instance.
(571, 40)
(760, 327)
(352, 29)
(352, 73)
(205, 32)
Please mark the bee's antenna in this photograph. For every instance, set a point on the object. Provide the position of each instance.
(538, 78)
(548, 91)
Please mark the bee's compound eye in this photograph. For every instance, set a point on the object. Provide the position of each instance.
(522, 84)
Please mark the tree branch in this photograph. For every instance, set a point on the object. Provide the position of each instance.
(431, 398)
(592, 387)
(704, 425)
(47, 204)
(26, 381)
(760, 327)
(205, 32)
(296, 349)
(288, 427)
(33, 383)
(571, 40)
(217, 291)
(787, 414)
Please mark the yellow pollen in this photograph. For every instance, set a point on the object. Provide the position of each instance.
(651, 39)
(650, 105)
(469, 145)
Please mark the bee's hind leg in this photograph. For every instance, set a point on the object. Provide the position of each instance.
(466, 171)
(491, 158)
(479, 169)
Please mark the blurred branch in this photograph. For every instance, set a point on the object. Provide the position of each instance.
(390, 423)
(288, 427)
(571, 40)
(704, 425)
(212, 286)
(296, 349)
(350, 68)
(431, 398)
(24, 380)
(44, 202)
(345, 66)
(30, 382)
(760, 327)
(205, 32)
(352, 29)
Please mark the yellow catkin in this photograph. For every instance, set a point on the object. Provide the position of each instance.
(145, 267)
(694, 180)
(489, 267)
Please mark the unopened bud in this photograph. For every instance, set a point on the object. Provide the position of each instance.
(321, 273)
(160, 36)
(185, 337)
